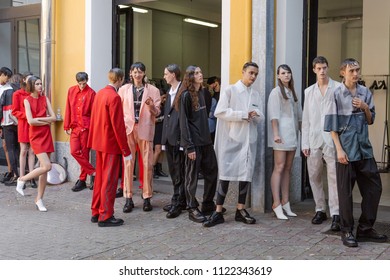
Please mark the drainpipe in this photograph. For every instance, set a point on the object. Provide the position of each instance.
(47, 59)
(46, 45)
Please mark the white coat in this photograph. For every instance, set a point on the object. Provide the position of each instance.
(236, 138)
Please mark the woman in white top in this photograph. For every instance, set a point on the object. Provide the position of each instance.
(284, 117)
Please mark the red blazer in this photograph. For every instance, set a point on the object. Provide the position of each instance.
(75, 117)
(107, 131)
(147, 118)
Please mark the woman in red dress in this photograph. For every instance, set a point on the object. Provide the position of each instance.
(23, 127)
(39, 115)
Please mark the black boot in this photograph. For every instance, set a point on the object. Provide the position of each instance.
(159, 170)
(155, 175)
(129, 205)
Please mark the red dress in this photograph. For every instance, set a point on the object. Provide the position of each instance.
(41, 140)
(20, 113)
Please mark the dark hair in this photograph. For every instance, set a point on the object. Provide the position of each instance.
(188, 84)
(30, 83)
(6, 71)
(250, 63)
(174, 68)
(349, 62)
(16, 81)
(320, 60)
(213, 79)
(139, 66)
(81, 76)
(290, 84)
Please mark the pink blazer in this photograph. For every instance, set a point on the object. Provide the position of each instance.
(148, 114)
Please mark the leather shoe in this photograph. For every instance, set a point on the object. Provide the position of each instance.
(348, 239)
(33, 184)
(167, 207)
(335, 223)
(243, 216)
(174, 212)
(119, 193)
(319, 218)
(215, 219)
(196, 216)
(370, 235)
(110, 222)
(210, 210)
(129, 205)
(147, 205)
(79, 186)
(95, 219)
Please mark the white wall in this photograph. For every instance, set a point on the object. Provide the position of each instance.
(143, 41)
(98, 37)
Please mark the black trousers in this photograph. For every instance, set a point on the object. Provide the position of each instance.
(207, 162)
(365, 173)
(11, 140)
(175, 159)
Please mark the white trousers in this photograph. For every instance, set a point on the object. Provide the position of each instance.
(314, 167)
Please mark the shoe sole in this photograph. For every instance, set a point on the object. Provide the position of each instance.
(207, 225)
(246, 222)
(350, 245)
(198, 221)
(109, 225)
(78, 189)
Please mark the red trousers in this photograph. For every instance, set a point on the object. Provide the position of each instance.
(106, 181)
(79, 150)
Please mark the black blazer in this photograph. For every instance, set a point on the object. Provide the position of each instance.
(171, 127)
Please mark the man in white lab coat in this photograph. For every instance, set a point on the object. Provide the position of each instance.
(239, 111)
(317, 144)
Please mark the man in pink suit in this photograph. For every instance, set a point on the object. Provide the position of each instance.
(141, 104)
(108, 138)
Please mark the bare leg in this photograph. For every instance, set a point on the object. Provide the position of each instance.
(22, 158)
(286, 175)
(44, 167)
(276, 177)
(31, 159)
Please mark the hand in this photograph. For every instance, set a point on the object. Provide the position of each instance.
(306, 152)
(69, 131)
(358, 103)
(192, 156)
(127, 158)
(252, 115)
(342, 157)
(278, 140)
(149, 102)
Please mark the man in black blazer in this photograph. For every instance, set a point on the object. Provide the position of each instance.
(171, 140)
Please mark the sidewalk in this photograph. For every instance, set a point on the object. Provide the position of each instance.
(66, 233)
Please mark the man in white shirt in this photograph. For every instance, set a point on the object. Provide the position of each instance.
(317, 145)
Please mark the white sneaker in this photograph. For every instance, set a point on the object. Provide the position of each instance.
(19, 186)
(40, 206)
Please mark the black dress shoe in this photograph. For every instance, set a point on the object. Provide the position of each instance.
(95, 219)
(147, 205)
(215, 219)
(174, 212)
(243, 216)
(167, 207)
(110, 222)
(79, 186)
(370, 235)
(319, 218)
(196, 216)
(335, 223)
(129, 205)
(159, 171)
(348, 239)
(119, 193)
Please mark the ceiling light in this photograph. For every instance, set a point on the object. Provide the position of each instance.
(139, 10)
(200, 22)
(123, 6)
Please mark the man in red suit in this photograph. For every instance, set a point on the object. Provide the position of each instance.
(108, 138)
(76, 124)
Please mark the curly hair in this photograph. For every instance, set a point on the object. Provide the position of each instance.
(188, 84)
